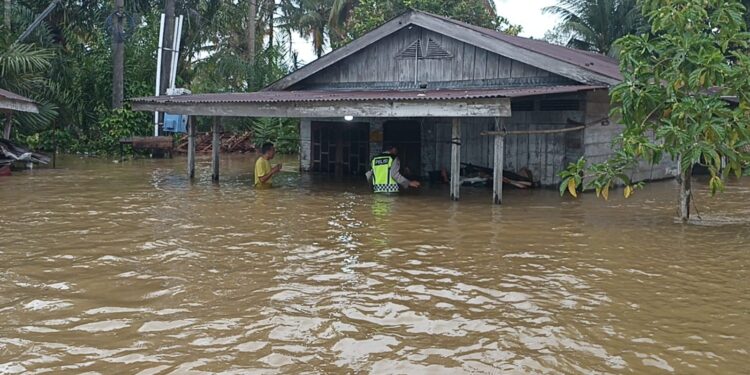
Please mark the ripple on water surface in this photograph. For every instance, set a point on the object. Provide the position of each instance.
(129, 268)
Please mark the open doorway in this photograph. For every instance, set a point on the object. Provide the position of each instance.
(406, 135)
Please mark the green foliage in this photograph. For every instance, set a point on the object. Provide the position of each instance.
(369, 14)
(283, 133)
(66, 64)
(24, 70)
(115, 124)
(572, 177)
(594, 25)
(671, 98)
(51, 139)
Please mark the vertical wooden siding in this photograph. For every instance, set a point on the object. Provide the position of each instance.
(544, 154)
(378, 63)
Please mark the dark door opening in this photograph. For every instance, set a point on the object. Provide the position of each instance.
(407, 137)
(340, 148)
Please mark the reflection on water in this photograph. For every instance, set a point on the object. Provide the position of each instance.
(129, 268)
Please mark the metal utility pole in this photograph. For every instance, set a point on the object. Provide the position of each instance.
(118, 55)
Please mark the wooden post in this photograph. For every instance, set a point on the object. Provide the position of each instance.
(8, 124)
(215, 149)
(456, 159)
(54, 145)
(497, 179)
(191, 147)
(499, 162)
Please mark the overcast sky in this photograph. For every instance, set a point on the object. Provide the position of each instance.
(527, 13)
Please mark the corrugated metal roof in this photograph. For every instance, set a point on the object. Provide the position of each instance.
(348, 96)
(5, 94)
(591, 61)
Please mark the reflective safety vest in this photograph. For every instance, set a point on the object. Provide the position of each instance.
(382, 182)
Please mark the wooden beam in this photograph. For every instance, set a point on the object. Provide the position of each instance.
(499, 162)
(191, 147)
(456, 159)
(215, 149)
(495, 107)
(525, 132)
(8, 125)
(17, 105)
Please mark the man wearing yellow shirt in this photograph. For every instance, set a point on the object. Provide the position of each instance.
(263, 171)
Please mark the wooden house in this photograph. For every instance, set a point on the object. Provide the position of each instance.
(446, 93)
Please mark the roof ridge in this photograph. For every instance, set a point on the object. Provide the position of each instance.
(516, 40)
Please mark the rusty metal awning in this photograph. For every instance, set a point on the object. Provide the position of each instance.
(14, 102)
(416, 103)
(340, 96)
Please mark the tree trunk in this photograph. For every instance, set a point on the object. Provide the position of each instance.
(271, 10)
(252, 19)
(166, 56)
(6, 19)
(685, 193)
(118, 56)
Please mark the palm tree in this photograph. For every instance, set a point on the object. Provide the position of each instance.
(23, 69)
(594, 25)
(340, 14)
(310, 18)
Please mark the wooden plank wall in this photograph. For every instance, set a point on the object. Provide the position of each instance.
(544, 154)
(378, 63)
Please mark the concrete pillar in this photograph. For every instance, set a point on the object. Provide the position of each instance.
(305, 144)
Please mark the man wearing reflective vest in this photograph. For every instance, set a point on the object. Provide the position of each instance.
(384, 174)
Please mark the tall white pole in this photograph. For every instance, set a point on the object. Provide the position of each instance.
(175, 51)
(158, 72)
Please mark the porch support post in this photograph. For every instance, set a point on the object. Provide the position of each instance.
(215, 149)
(456, 159)
(497, 177)
(8, 124)
(191, 147)
(305, 144)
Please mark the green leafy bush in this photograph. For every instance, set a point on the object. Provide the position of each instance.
(283, 133)
(116, 124)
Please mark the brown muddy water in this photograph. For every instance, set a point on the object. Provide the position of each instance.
(129, 268)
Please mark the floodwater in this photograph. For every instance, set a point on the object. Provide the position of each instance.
(129, 268)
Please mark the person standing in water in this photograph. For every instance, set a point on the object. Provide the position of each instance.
(384, 175)
(263, 171)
